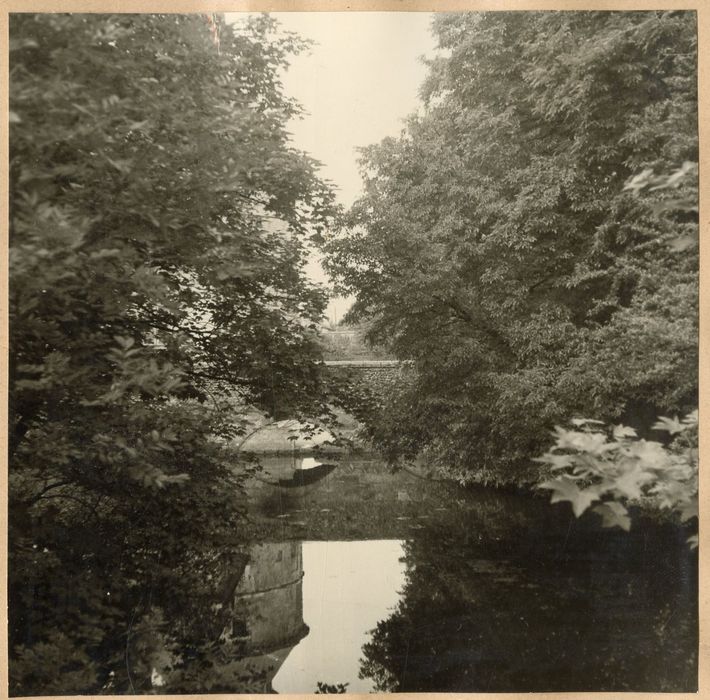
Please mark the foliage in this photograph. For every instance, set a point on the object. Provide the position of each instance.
(590, 467)
(496, 246)
(338, 688)
(158, 226)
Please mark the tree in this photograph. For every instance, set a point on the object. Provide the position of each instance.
(496, 246)
(158, 228)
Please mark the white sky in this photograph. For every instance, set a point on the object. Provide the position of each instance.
(357, 84)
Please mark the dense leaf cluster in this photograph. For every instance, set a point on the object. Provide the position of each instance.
(157, 231)
(497, 246)
(588, 468)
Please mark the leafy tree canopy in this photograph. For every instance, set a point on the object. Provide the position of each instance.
(497, 247)
(159, 219)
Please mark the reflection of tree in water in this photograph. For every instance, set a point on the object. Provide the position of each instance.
(538, 601)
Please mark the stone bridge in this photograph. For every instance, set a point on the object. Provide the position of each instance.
(289, 435)
(364, 364)
(365, 369)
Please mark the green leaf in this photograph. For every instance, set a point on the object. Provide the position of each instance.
(622, 432)
(630, 483)
(669, 425)
(691, 418)
(613, 514)
(565, 488)
(586, 421)
(594, 443)
(689, 510)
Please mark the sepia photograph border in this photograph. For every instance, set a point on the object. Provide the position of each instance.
(701, 7)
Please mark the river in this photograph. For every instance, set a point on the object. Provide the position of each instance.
(388, 582)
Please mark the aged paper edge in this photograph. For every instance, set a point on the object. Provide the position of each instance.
(184, 6)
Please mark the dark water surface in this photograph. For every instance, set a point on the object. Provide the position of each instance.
(388, 582)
